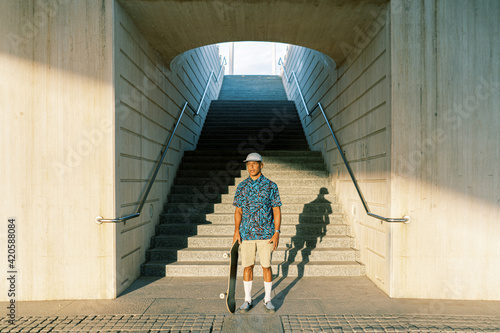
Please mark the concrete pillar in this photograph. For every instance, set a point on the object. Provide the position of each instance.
(445, 148)
(58, 146)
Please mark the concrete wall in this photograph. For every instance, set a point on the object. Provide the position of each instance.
(57, 173)
(86, 108)
(415, 106)
(445, 146)
(149, 98)
(355, 97)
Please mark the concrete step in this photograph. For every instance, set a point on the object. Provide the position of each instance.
(293, 164)
(210, 194)
(250, 138)
(264, 115)
(235, 94)
(217, 102)
(283, 254)
(252, 148)
(262, 131)
(187, 208)
(239, 135)
(250, 111)
(233, 154)
(228, 218)
(221, 268)
(223, 181)
(249, 103)
(306, 194)
(279, 113)
(245, 103)
(216, 160)
(319, 182)
(225, 241)
(202, 171)
(302, 229)
(225, 125)
(279, 171)
(305, 180)
(240, 106)
(210, 190)
(228, 198)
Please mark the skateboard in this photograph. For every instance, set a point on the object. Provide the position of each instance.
(231, 285)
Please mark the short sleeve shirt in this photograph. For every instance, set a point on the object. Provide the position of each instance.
(257, 199)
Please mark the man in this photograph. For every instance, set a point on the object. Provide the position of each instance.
(257, 221)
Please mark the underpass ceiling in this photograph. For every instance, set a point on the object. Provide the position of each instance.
(332, 27)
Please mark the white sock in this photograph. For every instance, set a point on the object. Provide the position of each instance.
(248, 291)
(268, 286)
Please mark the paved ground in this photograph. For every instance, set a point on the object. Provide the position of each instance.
(303, 305)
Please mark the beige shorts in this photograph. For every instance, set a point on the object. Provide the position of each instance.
(250, 247)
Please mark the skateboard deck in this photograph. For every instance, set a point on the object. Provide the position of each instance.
(231, 285)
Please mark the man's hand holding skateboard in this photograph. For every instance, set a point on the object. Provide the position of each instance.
(238, 213)
(237, 237)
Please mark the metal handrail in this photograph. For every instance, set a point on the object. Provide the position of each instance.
(212, 73)
(404, 219)
(100, 219)
(280, 62)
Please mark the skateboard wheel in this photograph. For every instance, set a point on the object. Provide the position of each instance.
(222, 295)
(225, 255)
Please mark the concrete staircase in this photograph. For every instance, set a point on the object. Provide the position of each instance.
(252, 126)
(197, 225)
(252, 87)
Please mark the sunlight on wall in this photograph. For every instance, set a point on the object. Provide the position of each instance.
(63, 153)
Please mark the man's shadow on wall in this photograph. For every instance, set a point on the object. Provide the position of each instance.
(309, 232)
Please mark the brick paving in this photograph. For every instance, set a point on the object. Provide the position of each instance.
(117, 323)
(389, 323)
(290, 323)
(350, 304)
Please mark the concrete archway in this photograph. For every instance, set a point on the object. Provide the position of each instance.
(174, 27)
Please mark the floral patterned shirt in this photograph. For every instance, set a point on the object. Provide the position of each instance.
(257, 199)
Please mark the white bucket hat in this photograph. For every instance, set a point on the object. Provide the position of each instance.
(253, 157)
